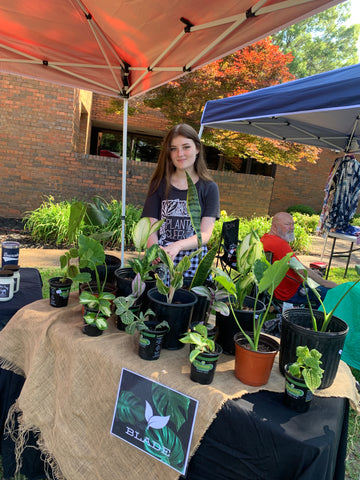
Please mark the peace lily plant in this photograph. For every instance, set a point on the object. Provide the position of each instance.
(309, 282)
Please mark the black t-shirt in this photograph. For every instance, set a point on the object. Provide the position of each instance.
(173, 209)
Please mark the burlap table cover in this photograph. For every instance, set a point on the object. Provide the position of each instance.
(71, 387)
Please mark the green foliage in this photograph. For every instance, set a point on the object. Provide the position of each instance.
(301, 209)
(143, 264)
(49, 223)
(307, 366)
(130, 316)
(321, 43)
(101, 304)
(175, 273)
(308, 282)
(194, 208)
(267, 277)
(200, 340)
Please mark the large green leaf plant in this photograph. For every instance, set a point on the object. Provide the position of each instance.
(267, 277)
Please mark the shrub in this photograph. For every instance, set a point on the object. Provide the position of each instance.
(304, 209)
(49, 223)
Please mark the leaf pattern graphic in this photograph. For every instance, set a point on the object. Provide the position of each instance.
(129, 408)
(168, 439)
(154, 421)
(168, 402)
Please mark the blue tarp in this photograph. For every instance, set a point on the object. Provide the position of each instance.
(321, 110)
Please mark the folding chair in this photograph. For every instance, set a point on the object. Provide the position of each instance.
(229, 241)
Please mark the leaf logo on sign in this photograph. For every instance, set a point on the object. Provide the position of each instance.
(154, 421)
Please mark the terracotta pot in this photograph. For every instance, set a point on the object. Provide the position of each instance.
(254, 368)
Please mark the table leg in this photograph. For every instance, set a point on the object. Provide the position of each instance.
(330, 259)
(348, 259)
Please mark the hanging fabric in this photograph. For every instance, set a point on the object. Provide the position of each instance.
(341, 195)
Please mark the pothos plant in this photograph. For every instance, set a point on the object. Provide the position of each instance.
(267, 277)
(198, 338)
(307, 367)
(310, 283)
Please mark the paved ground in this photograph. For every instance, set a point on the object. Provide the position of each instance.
(44, 258)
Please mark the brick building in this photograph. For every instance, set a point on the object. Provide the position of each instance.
(47, 132)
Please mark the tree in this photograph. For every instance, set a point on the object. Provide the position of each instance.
(320, 43)
(256, 66)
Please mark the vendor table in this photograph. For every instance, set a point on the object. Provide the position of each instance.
(343, 253)
(11, 383)
(71, 388)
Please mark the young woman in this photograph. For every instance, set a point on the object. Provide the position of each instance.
(181, 152)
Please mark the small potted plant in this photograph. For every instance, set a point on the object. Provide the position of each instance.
(302, 378)
(60, 286)
(97, 310)
(151, 332)
(203, 356)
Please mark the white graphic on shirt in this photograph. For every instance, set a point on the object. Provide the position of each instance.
(177, 224)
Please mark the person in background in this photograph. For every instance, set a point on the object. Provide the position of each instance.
(166, 199)
(277, 242)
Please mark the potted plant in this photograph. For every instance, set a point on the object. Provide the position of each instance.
(97, 310)
(302, 378)
(170, 301)
(203, 355)
(244, 283)
(143, 263)
(97, 295)
(254, 351)
(60, 286)
(213, 296)
(151, 332)
(316, 329)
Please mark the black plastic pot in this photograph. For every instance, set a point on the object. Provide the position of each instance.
(204, 366)
(297, 395)
(124, 277)
(150, 341)
(202, 305)
(59, 291)
(296, 329)
(227, 326)
(178, 314)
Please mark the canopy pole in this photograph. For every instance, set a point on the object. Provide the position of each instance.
(201, 131)
(123, 193)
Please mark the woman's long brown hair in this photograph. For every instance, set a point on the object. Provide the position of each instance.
(165, 167)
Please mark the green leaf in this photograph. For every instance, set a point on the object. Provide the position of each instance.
(130, 409)
(77, 213)
(166, 437)
(141, 233)
(194, 208)
(169, 402)
(203, 270)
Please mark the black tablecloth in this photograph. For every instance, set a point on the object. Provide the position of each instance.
(30, 291)
(11, 384)
(257, 437)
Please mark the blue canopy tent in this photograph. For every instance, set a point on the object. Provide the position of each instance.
(322, 110)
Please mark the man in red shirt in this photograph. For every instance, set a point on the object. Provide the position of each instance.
(277, 242)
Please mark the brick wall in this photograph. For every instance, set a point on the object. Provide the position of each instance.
(43, 144)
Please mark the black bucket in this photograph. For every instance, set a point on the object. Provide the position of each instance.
(227, 326)
(178, 314)
(296, 330)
